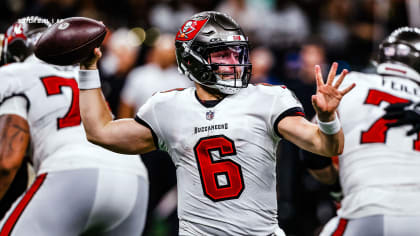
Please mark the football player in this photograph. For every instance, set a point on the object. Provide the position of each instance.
(221, 134)
(80, 188)
(158, 74)
(379, 166)
(15, 177)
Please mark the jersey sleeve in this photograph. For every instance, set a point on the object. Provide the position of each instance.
(285, 104)
(9, 84)
(12, 98)
(15, 105)
(146, 116)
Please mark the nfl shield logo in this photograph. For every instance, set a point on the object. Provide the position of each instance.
(209, 115)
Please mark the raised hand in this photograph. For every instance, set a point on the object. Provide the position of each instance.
(91, 62)
(328, 97)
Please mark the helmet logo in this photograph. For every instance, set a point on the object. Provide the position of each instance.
(189, 30)
(17, 29)
(15, 32)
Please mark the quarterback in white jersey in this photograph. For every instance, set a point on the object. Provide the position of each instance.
(222, 134)
(379, 168)
(80, 187)
(223, 152)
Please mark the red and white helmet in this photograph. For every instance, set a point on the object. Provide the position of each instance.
(20, 38)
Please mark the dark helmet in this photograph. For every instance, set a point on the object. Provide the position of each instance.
(20, 38)
(208, 32)
(402, 46)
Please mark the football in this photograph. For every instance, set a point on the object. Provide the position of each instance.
(70, 41)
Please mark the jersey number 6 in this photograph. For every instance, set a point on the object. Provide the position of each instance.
(221, 179)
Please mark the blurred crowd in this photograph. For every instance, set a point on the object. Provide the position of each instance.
(288, 39)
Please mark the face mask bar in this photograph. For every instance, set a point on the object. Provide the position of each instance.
(402, 53)
(236, 79)
(241, 72)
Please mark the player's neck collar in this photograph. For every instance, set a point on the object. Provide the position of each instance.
(398, 70)
(208, 103)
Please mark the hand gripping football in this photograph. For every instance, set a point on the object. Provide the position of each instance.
(70, 41)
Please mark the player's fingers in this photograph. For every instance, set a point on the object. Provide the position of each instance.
(392, 115)
(97, 52)
(341, 78)
(398, 106)
(313, 100)
(393, 108)
(332, 73)
(394, 124)
(348, 89)
(410, 132)
(318, 77)
(414, 130)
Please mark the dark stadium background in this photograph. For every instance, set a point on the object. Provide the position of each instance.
(295, 35)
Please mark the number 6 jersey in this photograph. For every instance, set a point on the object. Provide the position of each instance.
(224, 156)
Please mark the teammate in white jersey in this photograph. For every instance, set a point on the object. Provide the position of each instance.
(222, 135)
(80, 188)
(379, 168)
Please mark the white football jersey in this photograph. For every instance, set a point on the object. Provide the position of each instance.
(379, 168)
(224, 156)
(57, 135)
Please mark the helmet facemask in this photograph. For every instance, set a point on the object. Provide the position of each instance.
(228, 67)
(402, 47)
(200, 54)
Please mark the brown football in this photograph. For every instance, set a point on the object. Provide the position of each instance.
(70, 41)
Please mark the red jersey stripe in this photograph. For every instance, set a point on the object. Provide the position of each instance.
(11, 221)
(300, 113)
(341, 227)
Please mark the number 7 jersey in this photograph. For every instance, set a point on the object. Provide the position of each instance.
(52, 112)
(379, 168)
(224, 156)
